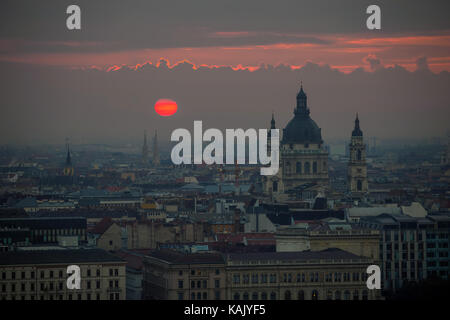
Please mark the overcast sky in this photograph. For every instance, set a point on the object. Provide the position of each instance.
(243, 59)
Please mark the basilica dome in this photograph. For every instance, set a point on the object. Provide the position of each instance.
(302, 129)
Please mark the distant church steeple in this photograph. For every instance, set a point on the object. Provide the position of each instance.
(272, 122)
(68, 167)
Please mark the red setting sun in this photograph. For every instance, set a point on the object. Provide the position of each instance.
(166, 107)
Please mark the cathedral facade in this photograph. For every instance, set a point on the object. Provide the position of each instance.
(303, 158)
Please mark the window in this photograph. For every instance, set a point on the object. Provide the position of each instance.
(301, 295)
(314, 167)
(217, 283)
(217, 295)
(98, 284)
(315, 295)
(237, 296)
(307, 167)
(287, 295)
(355, 295)
(180, 296)
(116, 272)
(273, 296)
(275, 186)
(245, 296)
(263, 296)
(298, 167)
(255, 296)
(180, 285)
(346, 295)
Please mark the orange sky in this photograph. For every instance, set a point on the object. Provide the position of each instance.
(343, 52)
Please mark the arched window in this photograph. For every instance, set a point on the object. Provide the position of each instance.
(359, 185)
(237, 296)
(355, 295)
(358, 154)
(275, 186)
(263, 296)
(314, 167)
(245, 296)
(273, 296)
(255, 296)
(287, 295)
(301, 295)
(298, 167)
(315, 295)
(307, 167)
(346, 295)
(337, 295)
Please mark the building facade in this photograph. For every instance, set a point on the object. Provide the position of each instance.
(42, 275)
(329, 274)
(411, 249)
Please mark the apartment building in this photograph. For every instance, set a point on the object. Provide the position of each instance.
(42, 275)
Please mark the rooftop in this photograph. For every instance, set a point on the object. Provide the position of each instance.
(57, 257)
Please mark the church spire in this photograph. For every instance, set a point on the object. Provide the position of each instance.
(357, 131)
(302, 106)
(272, 122)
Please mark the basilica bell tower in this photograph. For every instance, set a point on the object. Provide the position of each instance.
(357, 168)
